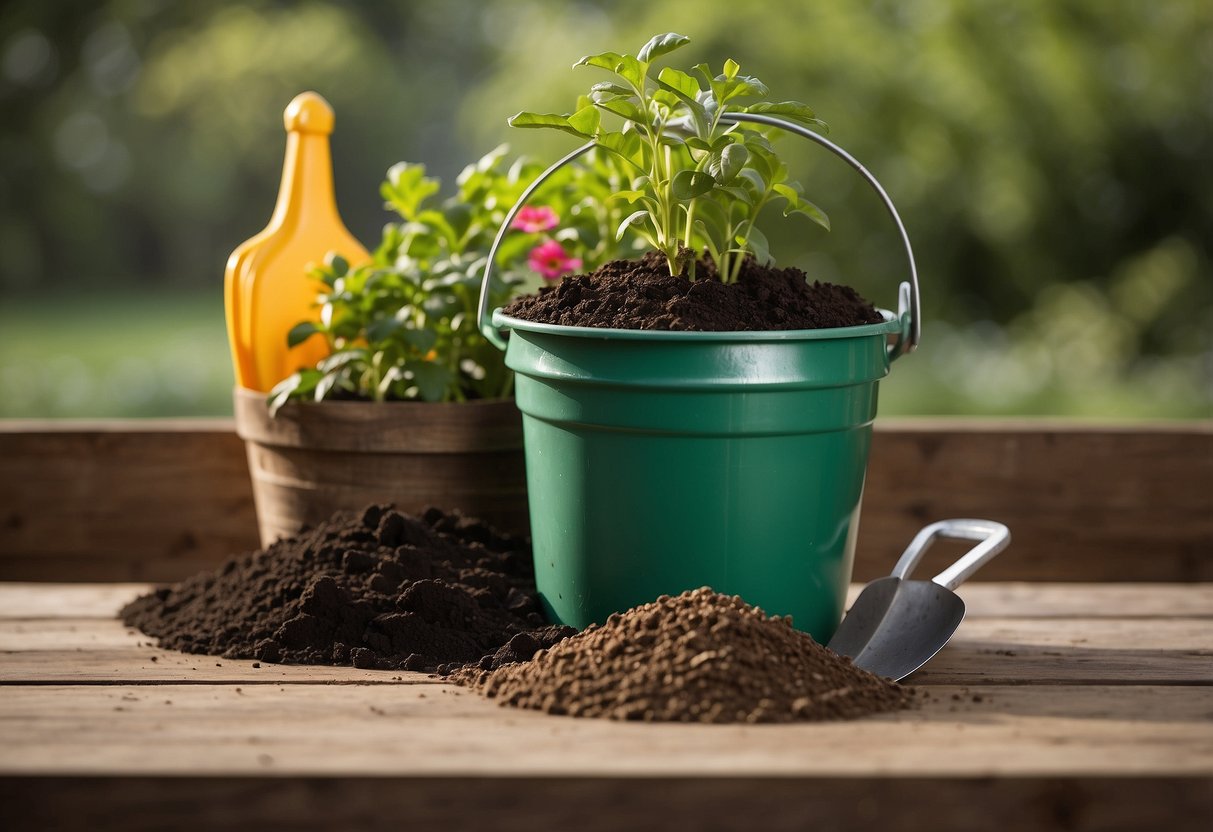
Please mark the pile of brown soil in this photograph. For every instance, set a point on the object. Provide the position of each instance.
(641, 294)
(373, 589)
(699, 657)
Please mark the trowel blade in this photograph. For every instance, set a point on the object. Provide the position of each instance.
(895, 626)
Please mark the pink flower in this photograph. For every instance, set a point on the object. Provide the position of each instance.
(533, 220)
(551, 260)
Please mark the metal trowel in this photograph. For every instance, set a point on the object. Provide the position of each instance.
(896, 625)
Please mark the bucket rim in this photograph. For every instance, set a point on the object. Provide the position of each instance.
(891, 325)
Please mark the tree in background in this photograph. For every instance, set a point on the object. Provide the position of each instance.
(1050, 158)
(143, 141)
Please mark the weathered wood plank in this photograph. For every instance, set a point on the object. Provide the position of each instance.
(983, 652)
(129, 501)
(989, 599)
(158, 500)
(524, 804)
(320, 748)
(97, 664)
(422, 730)
(64, 601)
(1085, 502)
(984, 600)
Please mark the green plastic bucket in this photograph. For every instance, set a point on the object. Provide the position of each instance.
(663, 461)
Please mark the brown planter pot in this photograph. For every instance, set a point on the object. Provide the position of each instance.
(312, 459)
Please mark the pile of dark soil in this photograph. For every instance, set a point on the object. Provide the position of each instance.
(375, 589)
(641, 294)
(699, 657)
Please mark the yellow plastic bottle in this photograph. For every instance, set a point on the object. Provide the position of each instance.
(266, 287)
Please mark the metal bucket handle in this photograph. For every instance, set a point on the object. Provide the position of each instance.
(907, 294)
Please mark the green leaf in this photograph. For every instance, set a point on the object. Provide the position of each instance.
(347, 327)
(625, 66)
(789, 192)
(731, 68)
(407, 187)
(756, 242)
(688, 184)
(338, 264)
(742, 201)
(295, 386)
(725, 165)
(606, 88)
(325, 385)
(382, 329)
(716, 216)
(435, 221)
(300, 332)
(808, 209)
(714, 84)
(742, 85)
(660, 45)
(756, 141)
(625, 107)
(624, 145)
(686, 89)
(422, 340)
(431, 379)
(586, 120)
(635, 216)
(791, 110)
(752, 178)
(629, 196)
(340, 359)
(678, 82)
(760, 149)
(546, 120)
(603, 60)
(440, 306)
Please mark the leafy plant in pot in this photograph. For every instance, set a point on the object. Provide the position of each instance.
(661, 459)
(409, 403)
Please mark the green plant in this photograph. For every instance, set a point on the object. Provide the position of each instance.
(701, 182)
(403, 326)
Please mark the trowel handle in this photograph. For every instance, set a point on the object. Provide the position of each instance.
(992, 538)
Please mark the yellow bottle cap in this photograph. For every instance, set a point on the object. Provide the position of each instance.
(308, 112)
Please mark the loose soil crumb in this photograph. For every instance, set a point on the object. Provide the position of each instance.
(641, 294)
(699, 657)
(373, 589)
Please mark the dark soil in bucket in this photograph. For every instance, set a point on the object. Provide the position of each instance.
(697, 657)
(641, 294)
(373, 589)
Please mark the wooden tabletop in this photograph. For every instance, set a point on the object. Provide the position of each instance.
(1057, 706)
(1067, 706)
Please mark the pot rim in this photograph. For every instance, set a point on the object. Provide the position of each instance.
(248, 393)
(891, 325)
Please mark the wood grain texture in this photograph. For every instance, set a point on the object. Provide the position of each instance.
(1085, 502)
(983, 652)
(312, 459)
(121, 501)
(1126, 602)
(441, 730)
(365, 427)
(203, 743)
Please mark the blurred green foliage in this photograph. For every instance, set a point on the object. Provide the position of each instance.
(1051, 161)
